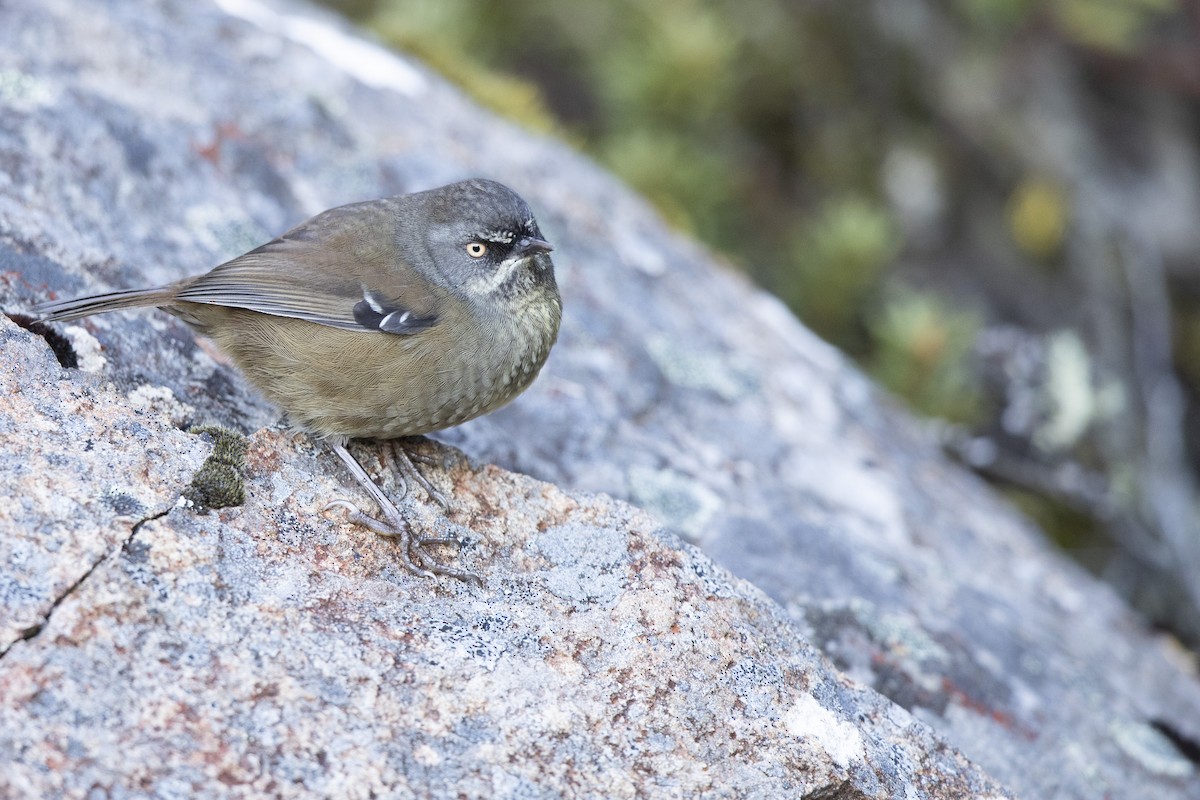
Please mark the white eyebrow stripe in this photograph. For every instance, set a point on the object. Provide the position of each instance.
(498, 236)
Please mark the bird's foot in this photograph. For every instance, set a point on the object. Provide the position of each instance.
(412, 548)
(412, 553)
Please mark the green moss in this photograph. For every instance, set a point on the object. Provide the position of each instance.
(219, 483)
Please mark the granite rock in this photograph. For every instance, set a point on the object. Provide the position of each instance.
(271, 650)
(916, 637)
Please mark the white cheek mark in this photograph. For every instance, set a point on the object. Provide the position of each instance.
(491, 283)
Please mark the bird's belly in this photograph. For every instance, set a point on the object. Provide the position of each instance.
(376, 385)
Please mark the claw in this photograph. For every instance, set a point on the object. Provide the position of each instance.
(346, 504)
(406, 467)
(454, 540)
(358, 517)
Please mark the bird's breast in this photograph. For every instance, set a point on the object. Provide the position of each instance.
(367, 384)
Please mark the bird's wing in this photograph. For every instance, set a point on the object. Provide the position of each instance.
(341, 268)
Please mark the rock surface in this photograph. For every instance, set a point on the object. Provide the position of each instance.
(266, 651)
(272, 649)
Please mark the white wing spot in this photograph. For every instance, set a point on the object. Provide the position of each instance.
(371, 301)
(383, 323)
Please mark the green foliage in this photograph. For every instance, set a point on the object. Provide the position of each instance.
(996, 17)
(839, 256)
(1037, 217)
(431, 31)
(922, 353)
(1072, 529)
(731, 117)
(1116, 25)
(677, 179)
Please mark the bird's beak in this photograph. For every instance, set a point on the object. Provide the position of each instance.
(528, 245)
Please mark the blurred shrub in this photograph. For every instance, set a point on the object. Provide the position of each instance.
(441, 35)
(1117, 26)
(1114, 25)
(995, 16)
(839, 255)
(1037, 217)
(733, 117)
(923, 353)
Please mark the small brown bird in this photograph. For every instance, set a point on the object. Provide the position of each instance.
(383, 319)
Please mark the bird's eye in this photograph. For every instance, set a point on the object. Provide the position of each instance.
(476, 249)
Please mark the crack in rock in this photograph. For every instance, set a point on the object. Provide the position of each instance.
(32, 631)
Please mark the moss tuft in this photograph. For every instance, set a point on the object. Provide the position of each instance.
(218, 483)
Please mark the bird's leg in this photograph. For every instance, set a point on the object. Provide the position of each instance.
(408, 470)
(393, 525)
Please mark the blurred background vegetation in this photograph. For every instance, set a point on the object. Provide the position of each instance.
(992, 205)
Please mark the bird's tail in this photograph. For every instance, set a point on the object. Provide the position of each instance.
(65, 310)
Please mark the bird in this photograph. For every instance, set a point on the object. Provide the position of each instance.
(381, 319)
